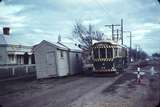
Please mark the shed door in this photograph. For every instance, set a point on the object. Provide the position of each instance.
(51, 63)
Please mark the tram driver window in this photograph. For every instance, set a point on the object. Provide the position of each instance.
(95, 52)
(102, 53)
(109, 52)
(116, 52)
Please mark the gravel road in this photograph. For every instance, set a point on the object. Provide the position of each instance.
(49, 93)
(85, 91)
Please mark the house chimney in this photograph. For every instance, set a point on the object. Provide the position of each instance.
(6, 30)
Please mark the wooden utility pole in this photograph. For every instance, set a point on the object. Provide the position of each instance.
(137, 50)
(117, 35)
(112, 27)
(112, 32)
(122, 31)
(130, 49)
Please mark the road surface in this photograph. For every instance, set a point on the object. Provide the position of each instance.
(85, 91)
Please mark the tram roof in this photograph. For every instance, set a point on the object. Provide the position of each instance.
(108, 41)
(105, 41)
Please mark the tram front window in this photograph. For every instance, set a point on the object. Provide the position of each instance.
(95, 52)
(116, 52)
(109, 53)
(102, 53)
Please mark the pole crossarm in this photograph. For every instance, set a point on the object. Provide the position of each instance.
(112, 25)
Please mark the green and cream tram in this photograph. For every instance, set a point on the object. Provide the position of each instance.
(109, 57)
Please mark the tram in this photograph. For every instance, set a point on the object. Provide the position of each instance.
(109, 56)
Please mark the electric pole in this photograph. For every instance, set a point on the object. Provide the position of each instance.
(130, 49)
(122, 31)
(137, 51)
(130, 43)
(112, 27)
(117, 35)
(112, 32)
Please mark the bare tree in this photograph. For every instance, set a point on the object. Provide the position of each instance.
(85, 35)
(156, 54)
(139, 54)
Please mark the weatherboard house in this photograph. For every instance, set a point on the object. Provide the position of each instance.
(57, 59)
(12, 52)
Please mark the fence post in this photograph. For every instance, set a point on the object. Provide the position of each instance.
(26, 69)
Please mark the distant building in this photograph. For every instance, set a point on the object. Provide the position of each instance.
(12, 52)
(57, 59)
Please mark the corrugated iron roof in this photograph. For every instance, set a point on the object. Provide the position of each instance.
(11, 40)
(72, 46)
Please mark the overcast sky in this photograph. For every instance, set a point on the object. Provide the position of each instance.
(33, 20)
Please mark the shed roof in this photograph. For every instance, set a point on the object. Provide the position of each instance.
(54, 44)
(72, 46)
(59, 45)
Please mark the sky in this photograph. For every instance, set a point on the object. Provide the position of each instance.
(32, 21)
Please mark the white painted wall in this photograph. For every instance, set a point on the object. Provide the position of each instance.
(42, 63)
(3, 55)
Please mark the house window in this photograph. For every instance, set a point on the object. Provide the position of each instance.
(62, 54)
(11, 58)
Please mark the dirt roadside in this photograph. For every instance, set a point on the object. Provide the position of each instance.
(126, 92)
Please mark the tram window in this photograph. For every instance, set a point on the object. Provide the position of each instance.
(102, 53)
(116, 52)
(109, 52)
(95, 52)
(120, 52)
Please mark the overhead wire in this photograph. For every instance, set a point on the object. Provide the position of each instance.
(101, 5)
